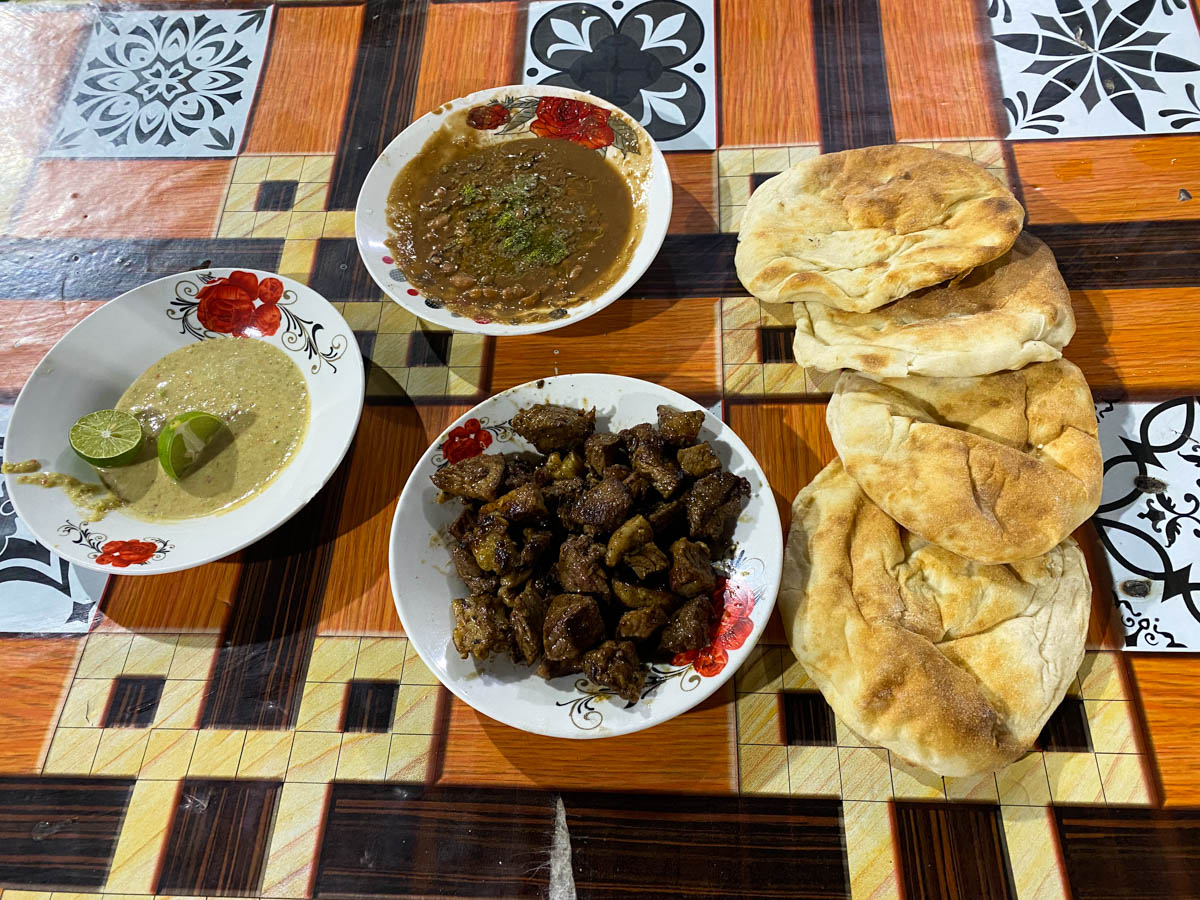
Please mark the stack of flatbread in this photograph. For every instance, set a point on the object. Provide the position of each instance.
(931, 588)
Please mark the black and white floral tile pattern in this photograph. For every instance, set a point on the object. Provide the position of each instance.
(1097, 68)
(655, 59)
(164, 83)
(40, 592)
(1149, 519)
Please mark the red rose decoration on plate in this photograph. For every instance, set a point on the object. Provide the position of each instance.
(467, 440)
(485, 118)
(225, 314)
(121, 554)
(227, 304)
(573, 120)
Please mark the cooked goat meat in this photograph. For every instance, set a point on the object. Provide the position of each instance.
(648, 460)
(579, 566)
(640, 624)
(512, 584)
(691, 569)
(602, 450)
(527, 618)
(630, 536)
(619, 471)
(699, 460)
(634, 437)
(536, 543)
(522, 468)
(665, 516)
(481, 626)
(561, 467)
(568, 490)
(616, 665)
(604, 506)
(477, 478)
(688, 628)
(464, 523)
(679, 428)
(573, 624)
(476, 580)
(493, 549)
(713, 505)
(635, 595)
(646, 560)
(637, 484)
(556, 668)
(549, 427)
(523, 504)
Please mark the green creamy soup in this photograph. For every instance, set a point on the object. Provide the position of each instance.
(259, 393)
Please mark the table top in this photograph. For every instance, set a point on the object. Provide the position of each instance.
(259, 726)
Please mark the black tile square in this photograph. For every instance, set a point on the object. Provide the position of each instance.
(1067, 728)
(757, 179)
(338, 273)
(133, 702)
(808, 720)
(948, 851)
(429, 348)
(370, 706)
(366, 343)
(775, 343)
(276, 195)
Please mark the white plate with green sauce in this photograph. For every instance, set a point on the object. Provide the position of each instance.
(267, 355)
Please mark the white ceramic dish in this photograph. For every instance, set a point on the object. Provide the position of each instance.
(100, 357)
(424, 580)
(651, 191)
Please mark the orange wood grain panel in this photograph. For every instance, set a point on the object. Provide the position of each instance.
(765, 56)
(1171, 704)
(937, 75)
(1137, 341)
(468, 47)
(694, 182)
(692, 753)
(123, 198)
(670, 342)
(302, 101)
(34, 676)
(358, 597)
(195, 600)
(1110, 180)
(28, 329)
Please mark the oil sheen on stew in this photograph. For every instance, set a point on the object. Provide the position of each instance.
(513, 232)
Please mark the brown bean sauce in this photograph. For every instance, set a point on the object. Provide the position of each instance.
(516, 231)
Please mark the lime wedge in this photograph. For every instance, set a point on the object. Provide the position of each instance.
(183, 440)
(106, 438)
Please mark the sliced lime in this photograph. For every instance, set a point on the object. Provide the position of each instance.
(184, 439)
(106, 438)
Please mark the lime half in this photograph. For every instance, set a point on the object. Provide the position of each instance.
(106, 438)
(184, 439)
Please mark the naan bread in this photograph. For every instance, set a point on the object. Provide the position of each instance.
(860, 228)
(995, 468)
(1005, 314)
(952, 665)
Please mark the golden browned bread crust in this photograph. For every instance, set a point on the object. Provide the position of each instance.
(1005, 314)
(860, 228)
(952, 665)
(995, 468)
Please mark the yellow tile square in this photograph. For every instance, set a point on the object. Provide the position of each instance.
(339, 224)
(1123, 779)
(408, 757)
(778, 315)
(314, 756)
(464, 381)
(813, 771)
(179, 705)
(364, 756)
(1111, 724)
(1099, 678)
(321, 706)
(150, 654)
(989, 154)
(802, 153)
(794, 676)
(735, 162)
(72, 751)
(241, 197)
(1074, 778)
(317, 168)
(914, 783)
(120, 751)
(333, 659)
(467, 349)
(251, 169)
(265, 754)
(758, 719)
(415, 708)
(870, 856)
(194, 656)
(391, 350)
(733, 191)
(306, 225)
(85, 703)
(762, 770)
(271, 223)
(771, 159)
(143, 835)
(217, 753)
(26, 895)
(363, 316)
(168, 753)
(104, 656)
(428, 381)
(311, 198)
(1028, 833)
(396, 320)
(285, 168)
(745, 379)
(381, 658)
(297, 258)
(1024, 782)
(293, 849)
(739, 346)
(866, 774)
(731, 218)
(236, 224)
(784, 378)
(762, 672)
(415, 670)
(974, 787)
(739, 312)
(389, 382)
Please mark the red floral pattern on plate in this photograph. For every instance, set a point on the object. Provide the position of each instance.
(730, 632)
(573, 120)
(227, 305)
(467, 440)
(121, 554)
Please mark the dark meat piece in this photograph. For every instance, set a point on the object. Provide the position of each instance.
(536, 543)
(640, 624)
(481, 627)
(637, 484)
(464, 523)
(665, 515)
(527, 619)
(568, 490)
(573, 624)
(713, 505)
(512, 584)
(619, 471)
(691, 569)
(556, 668)
(679, 428)
(468, 570)
(688, 628)
(523, 504)
(560, 467)
(646, 560)
(579, 567)
(633, 437)
(602, 450)
(635, 595)
(492, 547)
(616, 665)
(477, 478)
(646, 453)
(604, 506)
(630, 536)
(522, 468)
(549, 427)
(699, 460)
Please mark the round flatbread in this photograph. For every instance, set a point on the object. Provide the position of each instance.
(860, 228)
(995, 468)
(1005, 314)
(952, 665)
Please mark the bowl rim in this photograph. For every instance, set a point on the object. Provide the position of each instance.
(650, 239)
(709, 685)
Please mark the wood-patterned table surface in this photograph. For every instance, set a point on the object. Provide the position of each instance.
(259, 727)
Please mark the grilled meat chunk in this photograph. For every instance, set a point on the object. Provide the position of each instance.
(635, 595)
(691, 569)
(528, 618)
(699, 460)
(713, 505)
(477, 478)
(602, 450)
(630, 536)
(522, 504)
(573, 624)
(641, 624)
(494, 550)
(688, 628)
(476, 580)
(646, 560)
(616, 665)
(481, 626)
(549, 427)
(580, 569)
(679, 429)
(604, 506)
